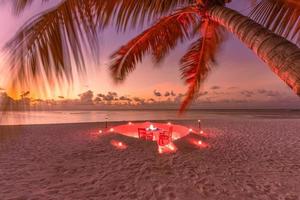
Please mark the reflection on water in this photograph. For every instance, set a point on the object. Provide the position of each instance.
(54, 117)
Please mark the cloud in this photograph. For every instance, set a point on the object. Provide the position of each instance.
(137, 99)
(215, 87)
(140, 101)
(151, 100)
(269, 93)
(37, 100)
(262, 91)
(8, 103)
(204, 93)
(25, 94)
(114, 94)
(273, 94)
(124, 98)
(101, 95)
(232, 88)
(5, 98)
(157, 93)
(111, 100)
(97, 100)
(110, 96)
(247, 93)
(86, 97)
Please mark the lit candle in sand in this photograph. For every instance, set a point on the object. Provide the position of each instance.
(199, 124)
(159, 150)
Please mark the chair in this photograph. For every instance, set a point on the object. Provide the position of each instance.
(142, 133)
(149, 136)
(170, 133)
(165, 137)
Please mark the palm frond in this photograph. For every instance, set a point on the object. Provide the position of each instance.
(197, 62)
(130, 13)
(19, 5)
(157, 40)
(280, 16)
(45, 47)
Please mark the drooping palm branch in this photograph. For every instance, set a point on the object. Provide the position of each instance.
(122, 12)
(157, 40)
(20, 5)
(130, 13)
(45, 46)
(197, 62)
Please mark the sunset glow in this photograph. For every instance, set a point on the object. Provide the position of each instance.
(149, 99)
(228, 87)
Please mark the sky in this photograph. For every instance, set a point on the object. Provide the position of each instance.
(239, 80)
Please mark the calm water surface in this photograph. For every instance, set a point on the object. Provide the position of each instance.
(54, 117)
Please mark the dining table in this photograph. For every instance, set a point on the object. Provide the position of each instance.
(155, 132)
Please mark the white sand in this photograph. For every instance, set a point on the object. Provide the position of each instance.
(245, 159)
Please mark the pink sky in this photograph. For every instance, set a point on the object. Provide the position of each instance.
(239, 75)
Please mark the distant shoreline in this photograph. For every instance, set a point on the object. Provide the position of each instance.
(171, 109)
(15, 118)
(100, 123)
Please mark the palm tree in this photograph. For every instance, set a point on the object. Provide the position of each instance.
(46, 44)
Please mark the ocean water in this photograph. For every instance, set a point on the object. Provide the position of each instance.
(57, 117)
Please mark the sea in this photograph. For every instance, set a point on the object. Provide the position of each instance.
(61, 117)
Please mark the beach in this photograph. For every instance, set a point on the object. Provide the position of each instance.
(253, 158)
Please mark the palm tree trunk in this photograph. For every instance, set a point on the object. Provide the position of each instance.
(282, 56)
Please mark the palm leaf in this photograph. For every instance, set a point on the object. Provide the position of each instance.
(197, 62)
(280, 16)
(157, 40)
(20, 5)
(125, 13)
(45, 47)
